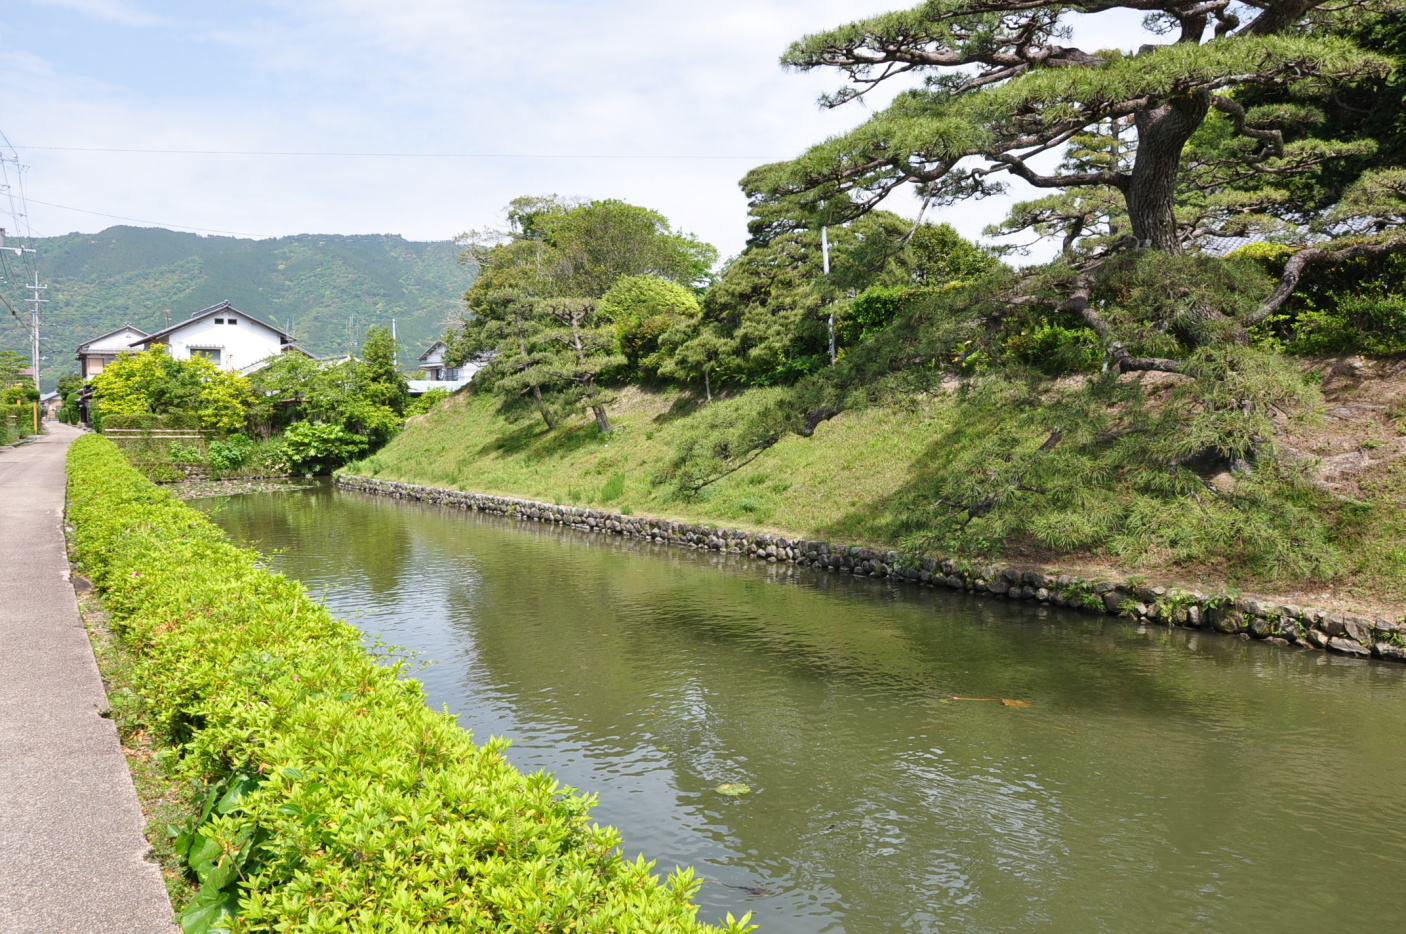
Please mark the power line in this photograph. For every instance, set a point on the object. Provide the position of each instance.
(404, 155)
(120, 217)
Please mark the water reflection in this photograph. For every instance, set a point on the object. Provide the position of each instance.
(1159, 781)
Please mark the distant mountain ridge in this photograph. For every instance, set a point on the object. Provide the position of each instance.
(326, 289)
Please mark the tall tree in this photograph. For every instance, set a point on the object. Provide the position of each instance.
(533, 309)
(382, 382)
(502, 330)
(1000, 91)
(570, 348)
(773, 300)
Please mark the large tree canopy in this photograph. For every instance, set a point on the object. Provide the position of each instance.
(1214, 130)
(999, 91)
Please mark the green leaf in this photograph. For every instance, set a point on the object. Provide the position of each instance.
(241, 787)
(202, 853)
(207, 908)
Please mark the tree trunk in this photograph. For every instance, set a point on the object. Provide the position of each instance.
(707, 389)
(542, 408)
(1151, 189)
(602, 420)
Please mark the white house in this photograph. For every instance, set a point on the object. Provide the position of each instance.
(432, 362)
(439, 375)
(100, 351)
(222, 334)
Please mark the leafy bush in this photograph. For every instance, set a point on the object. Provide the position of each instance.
(337, 800)
(427, 400)
(317, 448)
(871, 311)
(16, 422)
(229, 454)
(1357, 306)
(146, 421)
(180, 453)
(1055, 350)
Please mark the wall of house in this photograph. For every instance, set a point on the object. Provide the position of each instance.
(98, 354)
(240, 345)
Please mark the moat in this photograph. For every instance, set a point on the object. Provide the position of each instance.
(1158, 780)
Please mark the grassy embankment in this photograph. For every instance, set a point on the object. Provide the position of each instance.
(870, 476)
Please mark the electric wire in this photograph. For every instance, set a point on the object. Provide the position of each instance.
(138, 220)
(406, 155)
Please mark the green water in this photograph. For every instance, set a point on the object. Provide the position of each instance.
(1158, 781)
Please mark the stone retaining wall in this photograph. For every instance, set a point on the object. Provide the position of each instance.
(1282, 624)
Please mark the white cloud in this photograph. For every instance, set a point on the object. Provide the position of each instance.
(114, 11)
(533, 77)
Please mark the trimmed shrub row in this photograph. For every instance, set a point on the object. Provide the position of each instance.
(16, 422)
(146, 421)
(337, 800)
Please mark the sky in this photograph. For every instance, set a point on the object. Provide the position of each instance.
(660, 103)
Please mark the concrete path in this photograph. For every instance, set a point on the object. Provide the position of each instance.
(72, 854)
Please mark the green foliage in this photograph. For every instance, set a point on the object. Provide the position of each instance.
(554, 248)
(16, 422)
(1166, 304)
(1355, 306)
(230, 454)
(12, 364)
(427, 400)
(337, 800)
(148, 421)
(180, 453)
(358, 396)
(871, 311)
(313, 448)
(1231, 106)
(533, 312)
(154, 382)
(643, 309)
(773, 301)
(380, 382)
(14, 387)
(1056, 349)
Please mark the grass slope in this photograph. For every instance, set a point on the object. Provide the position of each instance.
(867, 476)
(839, 484)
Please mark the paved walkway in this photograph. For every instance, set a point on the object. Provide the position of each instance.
(72, 854)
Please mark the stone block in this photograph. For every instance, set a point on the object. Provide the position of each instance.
(1359, 628)
(1349, 647)
(1389, 651)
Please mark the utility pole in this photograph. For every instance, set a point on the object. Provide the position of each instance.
(34, 303)
(396, 347)
(825, 265)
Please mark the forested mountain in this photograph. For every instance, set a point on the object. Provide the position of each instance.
(326, 289)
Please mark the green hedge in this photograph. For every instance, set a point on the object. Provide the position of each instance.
(16, 422)
(146, 421)
(338, 800)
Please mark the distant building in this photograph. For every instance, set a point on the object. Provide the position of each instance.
(231, 339)
(436, 370)
(100, 351)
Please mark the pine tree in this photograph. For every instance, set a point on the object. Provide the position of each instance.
(1203, 158)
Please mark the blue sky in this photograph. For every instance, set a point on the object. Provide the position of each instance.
(568, 90)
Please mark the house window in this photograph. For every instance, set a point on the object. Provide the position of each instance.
(207, 353)
(219, 320)
(231, 321)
